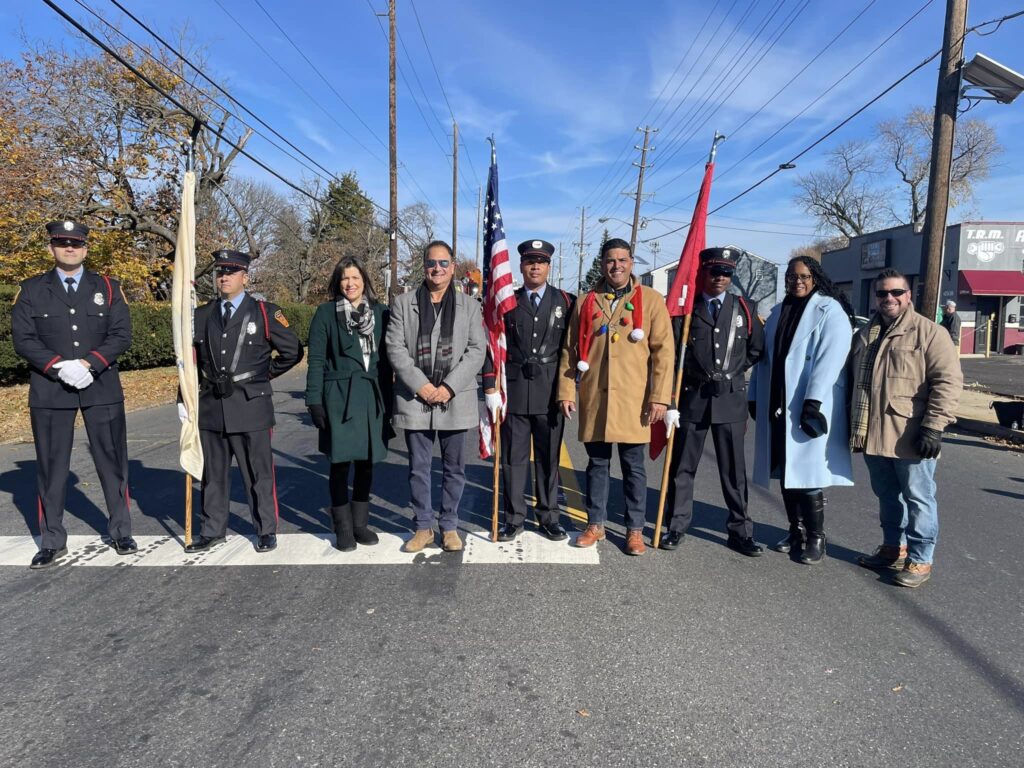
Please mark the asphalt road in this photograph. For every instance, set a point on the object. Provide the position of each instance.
(1001, 374)
(696, 657)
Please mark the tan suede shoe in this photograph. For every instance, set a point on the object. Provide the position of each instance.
(423, 538)
(451, 542)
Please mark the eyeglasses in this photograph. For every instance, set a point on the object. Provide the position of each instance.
(439, 263)
(791, 278)
(720, 272)
(67, 243)
(895, 293)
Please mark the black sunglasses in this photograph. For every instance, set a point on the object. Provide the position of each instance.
(442, 263)
(720, 272)
(895, 293)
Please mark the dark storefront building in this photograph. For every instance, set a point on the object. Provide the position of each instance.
(982, 271)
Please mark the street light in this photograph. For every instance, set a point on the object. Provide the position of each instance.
(643, 221)
(1000, 82)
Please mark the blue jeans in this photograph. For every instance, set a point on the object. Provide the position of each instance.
(634, 482)
(907, 510)
(420, 443)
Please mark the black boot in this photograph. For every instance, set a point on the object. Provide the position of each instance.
(342, 516)
(813, 506)
(797, 533)
(360, 521)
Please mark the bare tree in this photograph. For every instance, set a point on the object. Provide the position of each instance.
(844, 197)
(415, 230)
(907, 143)
(817, 247)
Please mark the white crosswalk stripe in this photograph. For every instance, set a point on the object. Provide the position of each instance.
(298, 549)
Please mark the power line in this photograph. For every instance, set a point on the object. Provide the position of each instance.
(319, 73)
(299, 85)
(198, 118)
(326, 173)
(437, 74)
(811, 146)
(740, 78)
(808, 106)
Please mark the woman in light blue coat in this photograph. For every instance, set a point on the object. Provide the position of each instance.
(798, 393)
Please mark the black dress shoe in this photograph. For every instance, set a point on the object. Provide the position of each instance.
(745, 546)
(201, 543)
(509, 532)
(46, 557)
(125, 545)
(266, 543)
(672, 540)
(552, 532)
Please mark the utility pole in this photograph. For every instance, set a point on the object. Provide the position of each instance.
(582, 245)
(455, 190)
(640, 183)
(392, 151)
(479, 203)
(947, 98)
(559, 265)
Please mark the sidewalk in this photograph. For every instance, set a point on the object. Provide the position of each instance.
(975, 414)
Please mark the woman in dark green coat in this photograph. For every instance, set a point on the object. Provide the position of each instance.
(348, 393)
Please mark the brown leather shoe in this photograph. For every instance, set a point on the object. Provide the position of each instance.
(451, 542)
(590, 537)
(423, 538)
(914, 574)
(635, 542)
(885, 559)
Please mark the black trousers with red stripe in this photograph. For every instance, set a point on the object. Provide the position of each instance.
(256, 461)
(53, 430)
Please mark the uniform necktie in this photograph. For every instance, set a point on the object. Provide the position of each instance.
(227, 312)
(70, 282)
(535, 299)
(716, 305)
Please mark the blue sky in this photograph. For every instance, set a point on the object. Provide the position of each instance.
(563, 85)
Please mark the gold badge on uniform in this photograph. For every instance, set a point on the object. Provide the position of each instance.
(97, 299)
(251, 329)
(279, 316)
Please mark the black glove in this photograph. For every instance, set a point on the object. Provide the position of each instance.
(812, 420)
(929, 443)
(319, 416)
(752, 409)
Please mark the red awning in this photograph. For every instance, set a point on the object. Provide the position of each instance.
(997, 282)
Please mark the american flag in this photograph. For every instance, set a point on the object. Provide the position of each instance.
(499, 296)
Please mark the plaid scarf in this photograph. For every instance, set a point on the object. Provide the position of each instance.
(435, 366)
(860, 403)
(359, 321)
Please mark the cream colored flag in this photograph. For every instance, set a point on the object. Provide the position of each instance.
(183, 303)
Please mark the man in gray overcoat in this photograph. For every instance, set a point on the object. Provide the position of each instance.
(436, 346)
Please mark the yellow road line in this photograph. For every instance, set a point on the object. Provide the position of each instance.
(574, 507)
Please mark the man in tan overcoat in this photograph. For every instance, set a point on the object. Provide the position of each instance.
(620, 349)
(906, 388)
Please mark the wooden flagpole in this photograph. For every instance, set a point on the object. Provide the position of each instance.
(676, 388)
(684, 337)
(496, 480)
(188, 509)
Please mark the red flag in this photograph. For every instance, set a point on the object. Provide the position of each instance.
(681, 294)
(499, 297)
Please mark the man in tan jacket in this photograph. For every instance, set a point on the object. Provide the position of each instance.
(619, 347)
(906, 387)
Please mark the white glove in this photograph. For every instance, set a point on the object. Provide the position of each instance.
(671, 421)
(494, 405)
(74, 373)
(182, 413)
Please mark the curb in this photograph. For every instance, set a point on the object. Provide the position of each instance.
(979, 427)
